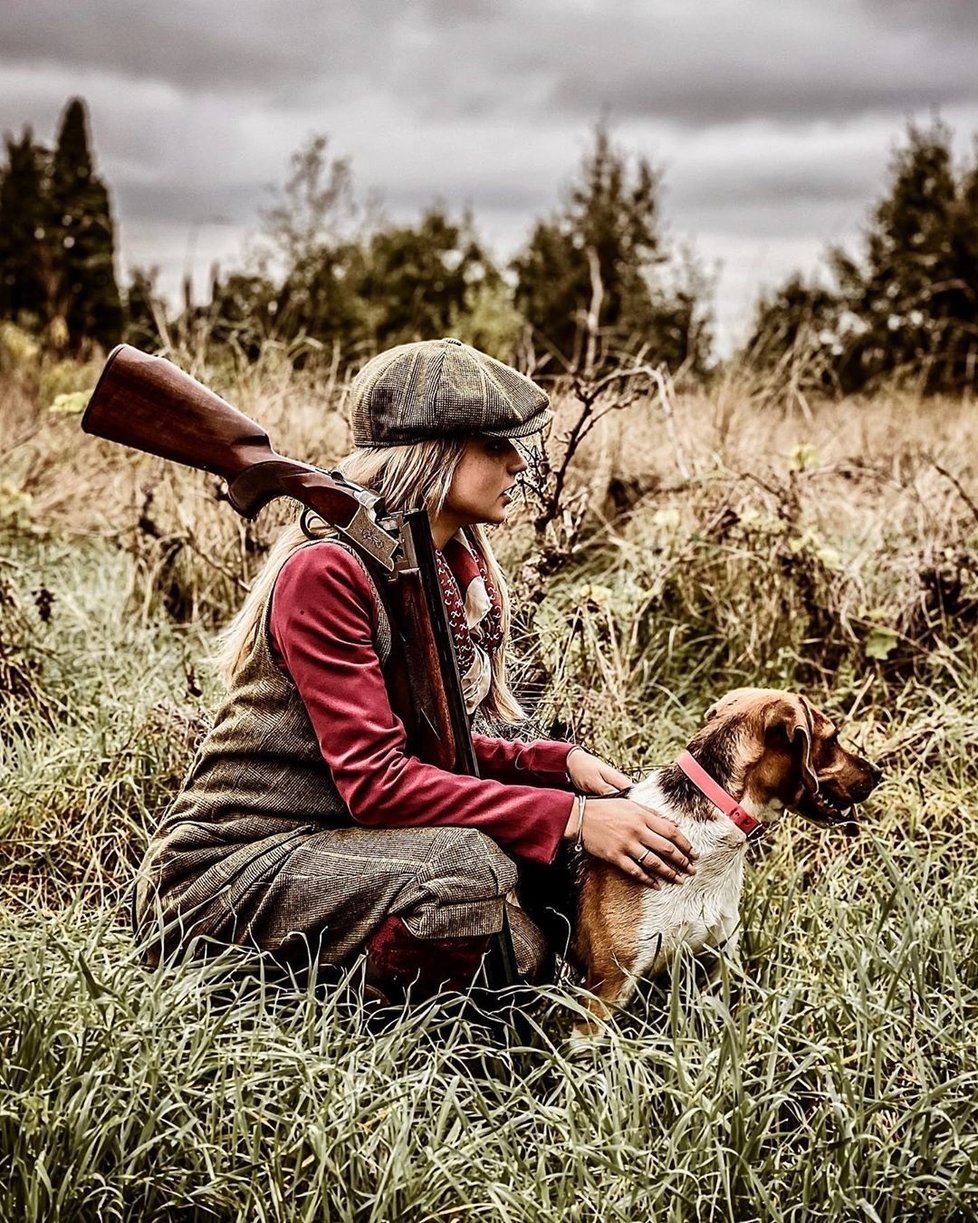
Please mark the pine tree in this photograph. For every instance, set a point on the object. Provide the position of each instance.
(796, 332)
(907, 308)
(588, 281)
(145, 310)
(245, 310)
(418, 281)
(914, 293)
(83, 304)
(22, 292)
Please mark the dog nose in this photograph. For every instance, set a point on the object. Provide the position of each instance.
(875, 775)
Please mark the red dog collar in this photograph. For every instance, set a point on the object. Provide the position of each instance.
(718, 796)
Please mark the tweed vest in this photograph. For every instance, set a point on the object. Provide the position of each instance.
(261, 761)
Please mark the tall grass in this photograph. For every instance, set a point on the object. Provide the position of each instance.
(834, 1076)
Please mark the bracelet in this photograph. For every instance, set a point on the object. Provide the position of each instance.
(576, 748)
(579, 842)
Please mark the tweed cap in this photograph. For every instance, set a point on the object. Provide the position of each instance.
(442, 388)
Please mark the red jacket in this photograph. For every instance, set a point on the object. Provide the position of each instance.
(323, 620)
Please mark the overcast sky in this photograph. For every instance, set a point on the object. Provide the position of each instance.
(773, 121)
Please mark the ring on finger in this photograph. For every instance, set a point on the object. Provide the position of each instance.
(641, 860)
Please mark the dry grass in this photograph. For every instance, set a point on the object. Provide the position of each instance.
(829, 546)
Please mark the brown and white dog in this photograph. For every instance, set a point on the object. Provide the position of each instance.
(769, 751)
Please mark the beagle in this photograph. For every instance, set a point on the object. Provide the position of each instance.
(760, 752)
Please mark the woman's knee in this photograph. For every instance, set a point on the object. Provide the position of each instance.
(462, 887)
(470, 866)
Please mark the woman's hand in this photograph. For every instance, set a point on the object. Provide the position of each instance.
(644, 845)
(648, 848)
(591, 775)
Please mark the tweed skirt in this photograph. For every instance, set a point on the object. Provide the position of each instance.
(307, 894)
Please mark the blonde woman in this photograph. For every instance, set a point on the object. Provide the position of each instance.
(305, 830)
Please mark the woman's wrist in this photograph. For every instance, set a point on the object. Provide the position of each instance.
(576, 748)
(574, 831)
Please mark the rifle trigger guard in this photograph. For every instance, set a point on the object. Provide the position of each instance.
(306, 517)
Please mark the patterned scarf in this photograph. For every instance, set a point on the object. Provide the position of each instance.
(474, 616)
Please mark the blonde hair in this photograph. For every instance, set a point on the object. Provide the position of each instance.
(404, 476)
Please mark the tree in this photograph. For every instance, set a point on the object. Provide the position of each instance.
(315, 210)
(145, 313)
(243, 311)
(915, 291)
(419, 281)
(351, 282)
(22, 214)
(588, 281)
(319, 299)
(313, 235)
(908, 306)
(797, 331)
(83, 294)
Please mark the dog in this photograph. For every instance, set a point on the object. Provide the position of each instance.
(760, 752)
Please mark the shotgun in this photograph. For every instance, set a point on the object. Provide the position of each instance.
(149, 404)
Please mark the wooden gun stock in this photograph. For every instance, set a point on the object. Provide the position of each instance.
(151, 405)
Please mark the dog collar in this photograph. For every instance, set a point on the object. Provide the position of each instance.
(718, 796)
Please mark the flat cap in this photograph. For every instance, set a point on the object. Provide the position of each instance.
(442, 388)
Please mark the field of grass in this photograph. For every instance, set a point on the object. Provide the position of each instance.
(830, 548)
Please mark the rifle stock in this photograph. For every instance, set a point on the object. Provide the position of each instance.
(151, 405)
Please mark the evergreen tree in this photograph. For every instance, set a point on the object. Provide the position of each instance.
(419, 281)
(588, 281)
(797, 330)
(83, 303)
(319, 299)
(22, 215)
(244, 311)
(914, 291)
(145, 310)
(552, 289)
(908, 307)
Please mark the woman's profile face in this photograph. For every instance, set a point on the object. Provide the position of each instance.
(483, 484)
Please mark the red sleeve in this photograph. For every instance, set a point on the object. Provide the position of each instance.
(322, 625)
(540, 763)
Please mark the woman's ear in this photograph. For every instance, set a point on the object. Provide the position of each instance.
(793, 717)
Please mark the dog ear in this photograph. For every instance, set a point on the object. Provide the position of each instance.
(794, 717)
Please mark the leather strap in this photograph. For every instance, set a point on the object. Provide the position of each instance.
(718, 796)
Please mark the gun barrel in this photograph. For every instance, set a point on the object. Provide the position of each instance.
(151, 405)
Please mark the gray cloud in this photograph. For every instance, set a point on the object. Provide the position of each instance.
(716, 62)
(225, 46)
(733, 96)
(954, 18)
(790, 62)
(772, 119)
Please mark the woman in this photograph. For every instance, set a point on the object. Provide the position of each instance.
(305, 830)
